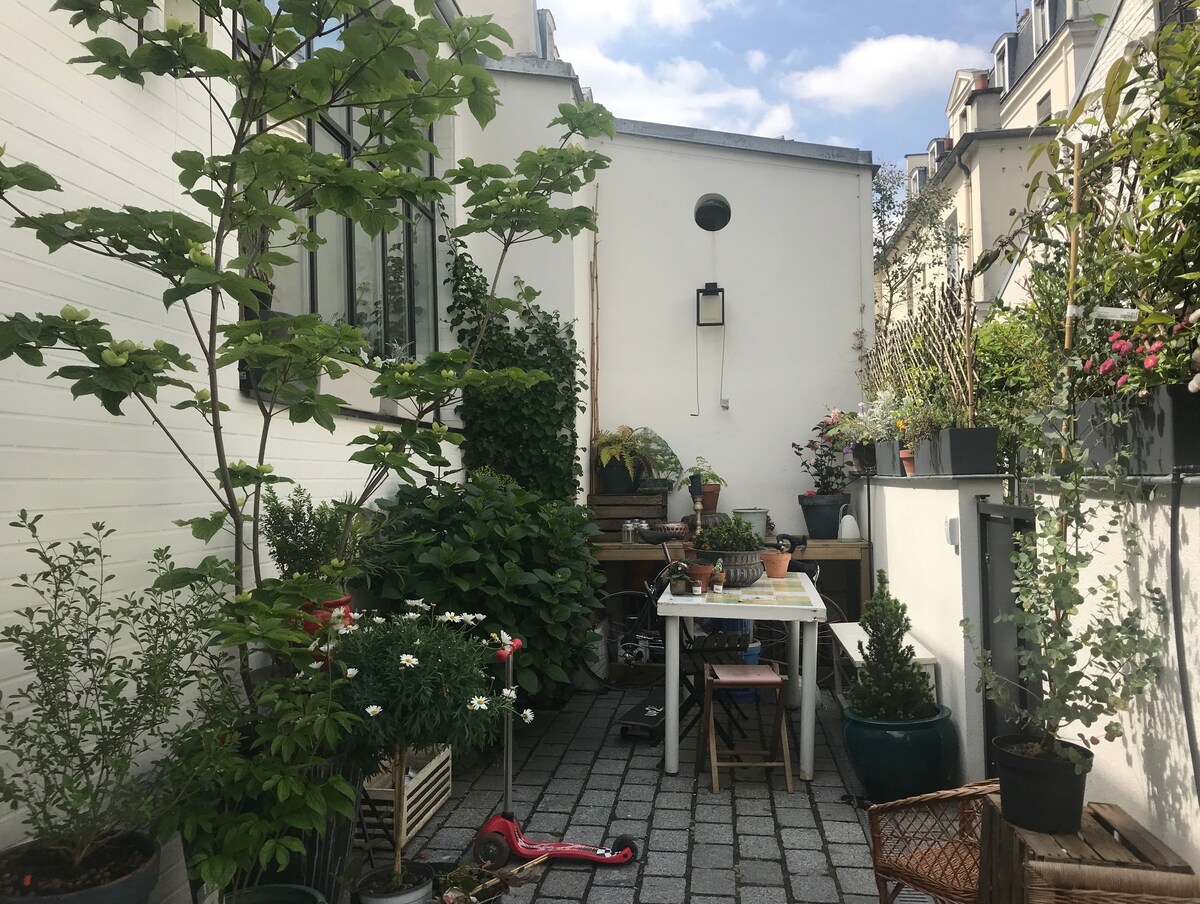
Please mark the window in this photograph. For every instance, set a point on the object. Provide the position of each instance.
(1001, 79)
(1044, 113)
(1178, 12)
(962, 123)
(1041, 23)
(385, 285)
(952, 244)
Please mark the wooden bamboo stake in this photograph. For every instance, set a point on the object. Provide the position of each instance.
(594, 285)
(1072, 271)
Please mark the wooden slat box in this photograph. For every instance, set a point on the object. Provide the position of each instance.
(610, 511)
(424, 793)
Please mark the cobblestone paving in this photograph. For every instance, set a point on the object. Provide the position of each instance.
(751, 842)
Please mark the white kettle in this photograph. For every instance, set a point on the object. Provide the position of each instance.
(848, 527)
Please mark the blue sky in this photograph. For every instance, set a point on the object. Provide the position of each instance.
(873, 74)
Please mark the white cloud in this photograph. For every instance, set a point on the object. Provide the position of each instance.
(755, 60)
(600, 21)
(882, 73)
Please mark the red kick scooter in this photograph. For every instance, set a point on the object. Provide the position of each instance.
(501, 836)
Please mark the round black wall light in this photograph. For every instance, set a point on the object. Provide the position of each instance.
(712, 213)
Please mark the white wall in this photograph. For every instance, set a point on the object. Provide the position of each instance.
(795, 265)
(937, 581)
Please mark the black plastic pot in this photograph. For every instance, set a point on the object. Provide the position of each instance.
(133, 888)
(276, 894)
(653, 485)
(1160, 432)
(960, 450)
(1039, 793)
(902, 759)
(864, 455)
(822, 514)
(887, 459)
(615, 479)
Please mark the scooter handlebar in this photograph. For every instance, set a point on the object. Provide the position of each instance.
(504, 652)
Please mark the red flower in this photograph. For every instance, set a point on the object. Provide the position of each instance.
(811, 493)
(1115, 336)
(1108, 365)
(1157, 346)
(1087, 366)
(1151, 361)
(1122, 380)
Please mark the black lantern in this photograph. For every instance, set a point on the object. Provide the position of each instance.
(710, 305)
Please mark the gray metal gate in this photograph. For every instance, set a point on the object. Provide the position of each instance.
(999, 527)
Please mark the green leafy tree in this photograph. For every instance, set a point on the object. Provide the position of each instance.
(890, 687)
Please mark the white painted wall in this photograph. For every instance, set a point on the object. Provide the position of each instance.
(938, 582)
(794, 262)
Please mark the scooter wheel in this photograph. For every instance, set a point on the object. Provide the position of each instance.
(626, 841)
(490, 850)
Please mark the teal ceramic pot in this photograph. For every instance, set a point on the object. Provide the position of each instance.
(276, 894)
(902, 759)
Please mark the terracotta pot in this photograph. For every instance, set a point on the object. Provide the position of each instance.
(322, 612)
(710, 493)
(776, 562)
(701, 574)
(906, 459)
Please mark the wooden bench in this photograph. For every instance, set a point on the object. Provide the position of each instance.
(847, 636)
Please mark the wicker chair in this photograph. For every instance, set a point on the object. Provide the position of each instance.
(929, 843)
(1078, 883)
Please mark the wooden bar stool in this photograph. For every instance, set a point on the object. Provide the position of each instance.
(720, 677)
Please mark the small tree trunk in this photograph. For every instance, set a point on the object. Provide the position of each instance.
(399, 814)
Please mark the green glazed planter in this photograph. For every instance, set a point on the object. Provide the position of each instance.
(902, 759)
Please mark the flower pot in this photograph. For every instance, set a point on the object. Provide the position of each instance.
(1040, 793)
(908, 462)
(959, 450)
(615, 478)
(887, 459)
(742, 568)
(901, 759)
(276, 894)
(322, 612)
(710, 494)
(652, 485)
(756, 516)
(822, 514)
(133, 887)
(419, 890)
(679, 586)
(700, 574)
(776, 562)
(718, 581)
(1161, 431)
(864, 456)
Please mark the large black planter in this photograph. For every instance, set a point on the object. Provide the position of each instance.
(887, 459)
(964, 450)
(822, 514)
(741, 568)
(615, 479)
(1160, 431)
(864, 456)
(133, 888)
(902, 759)
(276, 894)
(1042, 794)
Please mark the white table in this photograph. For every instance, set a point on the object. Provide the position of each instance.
(792, 599)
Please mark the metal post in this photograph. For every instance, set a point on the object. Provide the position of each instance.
(508, 742)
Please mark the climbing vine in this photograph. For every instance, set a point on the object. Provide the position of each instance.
(528, 434)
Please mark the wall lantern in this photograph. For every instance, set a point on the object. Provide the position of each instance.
(710, 305)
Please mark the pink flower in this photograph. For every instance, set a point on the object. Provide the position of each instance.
(1108, 365)
(1087, 366)
(1115, 336)
(1122, 347)
(1178, 328)
(1151, 361)
(811, 493)
(1157, 346)
(1141, 348)
(1122, 380)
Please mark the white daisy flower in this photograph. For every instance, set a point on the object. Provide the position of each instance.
(509, 693)
(315, 665)
(452, 618)
(527, 716)
(351, 672)
(347, 628)
(416, 643)
(418, 604)
(411, 616)
(379, 619)
(477, 703)
(408, 661)
(505, 638)
(374, 710)
(355, 615)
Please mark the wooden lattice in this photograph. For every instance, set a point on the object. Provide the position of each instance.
(935, 339)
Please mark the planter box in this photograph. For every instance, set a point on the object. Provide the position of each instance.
(611, 510)
(424, 793)
(864, 456)
(887, 459)
(956, 451)
(1160, 433)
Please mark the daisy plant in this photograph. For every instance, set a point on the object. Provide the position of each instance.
(418, 680)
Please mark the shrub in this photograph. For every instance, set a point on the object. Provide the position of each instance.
(302, 537)
(735, 535)
(492, 547)
(891, 687)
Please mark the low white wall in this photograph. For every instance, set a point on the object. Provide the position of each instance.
(1149, 771)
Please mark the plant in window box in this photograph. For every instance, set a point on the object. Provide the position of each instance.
(736, 545)
(417, 681)
(822, 458)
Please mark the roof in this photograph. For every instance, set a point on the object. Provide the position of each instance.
(824, 153)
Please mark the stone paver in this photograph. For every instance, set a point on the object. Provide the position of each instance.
(750, 843)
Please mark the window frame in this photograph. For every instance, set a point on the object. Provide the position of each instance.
(1041, 24)
(1000, 61)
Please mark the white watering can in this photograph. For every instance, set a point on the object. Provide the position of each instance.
(848, 527)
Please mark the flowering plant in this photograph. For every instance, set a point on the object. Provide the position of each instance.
(1161, 355)
(822, 457)
(417, 680)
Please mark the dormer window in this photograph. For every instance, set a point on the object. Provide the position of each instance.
(1001, 79)
(1041, 23)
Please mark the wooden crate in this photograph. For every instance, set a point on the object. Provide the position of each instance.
(424, 793)
(610, 511)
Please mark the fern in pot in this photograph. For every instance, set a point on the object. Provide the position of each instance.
(900, 741)
(736, 545)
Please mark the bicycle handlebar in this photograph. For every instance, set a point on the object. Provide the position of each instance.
(792, 542)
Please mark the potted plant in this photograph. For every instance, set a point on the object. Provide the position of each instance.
(110, 679)
(900, 742)
(418, 681)
(700, 575)
(677, 573)
(624, 457)
(736, 545)
(709, 482)
(718, 576)
(852, 431)
(822, 458)
(664, 469)
(776, 561)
